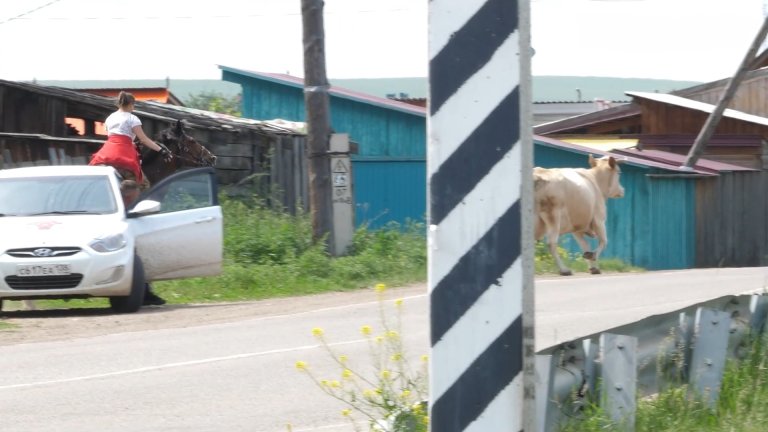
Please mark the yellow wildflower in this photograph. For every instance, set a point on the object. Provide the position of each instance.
(392, 334)
(380, 288)
(385, 374)
(335, 384)
(366, 330)
(346, 412)
(396, 357)
(425, 358)
(379, 339)
(399, 302)
(324, 383)
(300, 365)
(317, 332)
(346, 374)
(343, 359)
(405, 393)
(369, 393)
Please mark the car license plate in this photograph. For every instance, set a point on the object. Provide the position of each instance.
(25, 270)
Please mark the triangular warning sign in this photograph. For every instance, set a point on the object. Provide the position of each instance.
(340, 167)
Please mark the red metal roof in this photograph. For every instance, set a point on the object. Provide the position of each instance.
(158, 94)
(648, 158)
(678, 160)
(686, 140)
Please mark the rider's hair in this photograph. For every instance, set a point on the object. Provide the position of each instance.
(124, 99)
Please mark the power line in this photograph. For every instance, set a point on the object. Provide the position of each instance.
(23, 14)
(182, 17)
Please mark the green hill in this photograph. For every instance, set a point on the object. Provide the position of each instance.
(545, 88)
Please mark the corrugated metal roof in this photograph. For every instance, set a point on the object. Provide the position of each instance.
(193, 117)
(626, 158)
(678, 159)
(687, 140)
(698, 106)
(159, 94)
(341, 92)
(595, 117)
(605, 143)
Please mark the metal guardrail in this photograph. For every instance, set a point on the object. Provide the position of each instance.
(616, 366)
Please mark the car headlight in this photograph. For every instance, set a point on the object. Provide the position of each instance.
(108, 243)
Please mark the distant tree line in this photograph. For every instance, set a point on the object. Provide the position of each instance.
(215, 102)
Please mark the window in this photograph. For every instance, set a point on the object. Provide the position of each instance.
(59, 194)
(186, 192)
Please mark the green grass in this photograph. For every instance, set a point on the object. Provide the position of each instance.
(741, 407)
(545, 264)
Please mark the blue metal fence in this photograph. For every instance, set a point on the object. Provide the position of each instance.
(389, 191)
(653, 226)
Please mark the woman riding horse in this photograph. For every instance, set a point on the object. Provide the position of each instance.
(118, 151)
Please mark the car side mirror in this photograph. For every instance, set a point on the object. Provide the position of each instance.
(144, 207)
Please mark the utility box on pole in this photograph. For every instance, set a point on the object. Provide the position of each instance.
(343, 199)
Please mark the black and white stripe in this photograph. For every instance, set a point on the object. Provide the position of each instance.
(474, 170)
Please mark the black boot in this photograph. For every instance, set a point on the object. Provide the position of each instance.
(150, 298)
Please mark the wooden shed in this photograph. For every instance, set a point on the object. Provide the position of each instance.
(34, 130)
(668, 122)
(671, 218)
(389, 168)
(749, 98)
(653, 225)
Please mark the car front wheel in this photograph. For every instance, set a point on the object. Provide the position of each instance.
(133, 301)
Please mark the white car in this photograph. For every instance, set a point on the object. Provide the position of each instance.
(65, 233)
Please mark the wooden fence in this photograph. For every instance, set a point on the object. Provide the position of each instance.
(272, 166)
(732, 220)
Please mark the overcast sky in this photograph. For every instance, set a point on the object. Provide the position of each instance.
(699, 40)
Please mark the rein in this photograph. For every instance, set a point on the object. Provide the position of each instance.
(189, 159)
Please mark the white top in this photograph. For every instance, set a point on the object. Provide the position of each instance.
(122, 123)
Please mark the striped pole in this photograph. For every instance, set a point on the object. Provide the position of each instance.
(480, 234)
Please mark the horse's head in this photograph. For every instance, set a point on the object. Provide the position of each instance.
(186, 149)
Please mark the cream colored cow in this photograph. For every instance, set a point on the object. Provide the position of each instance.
(572, 200)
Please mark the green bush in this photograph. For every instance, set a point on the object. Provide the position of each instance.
(268, 253)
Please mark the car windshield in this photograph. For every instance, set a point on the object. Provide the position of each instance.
(56, 195)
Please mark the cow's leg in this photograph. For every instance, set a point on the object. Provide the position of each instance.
(584, 245)
(552, 222)
(602, 240)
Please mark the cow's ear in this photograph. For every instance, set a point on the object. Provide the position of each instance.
(612, 162)
(592, 161)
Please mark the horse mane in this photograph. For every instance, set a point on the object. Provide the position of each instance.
(181, 145)
(165, 136)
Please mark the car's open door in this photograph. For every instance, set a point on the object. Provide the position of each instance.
(178, 226)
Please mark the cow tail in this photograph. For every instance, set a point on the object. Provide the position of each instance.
(538, 182)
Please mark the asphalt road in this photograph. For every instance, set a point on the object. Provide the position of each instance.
(240, 376)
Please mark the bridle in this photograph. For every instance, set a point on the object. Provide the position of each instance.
(183, 155)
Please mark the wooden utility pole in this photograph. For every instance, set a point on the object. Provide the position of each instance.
(730, 90)
(318, 119)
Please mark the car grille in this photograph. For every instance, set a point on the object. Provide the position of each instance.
(43, 252)
(44, 282)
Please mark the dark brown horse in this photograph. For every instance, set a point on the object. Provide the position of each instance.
(186, 151)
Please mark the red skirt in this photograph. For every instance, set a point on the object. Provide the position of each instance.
(118, 151)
